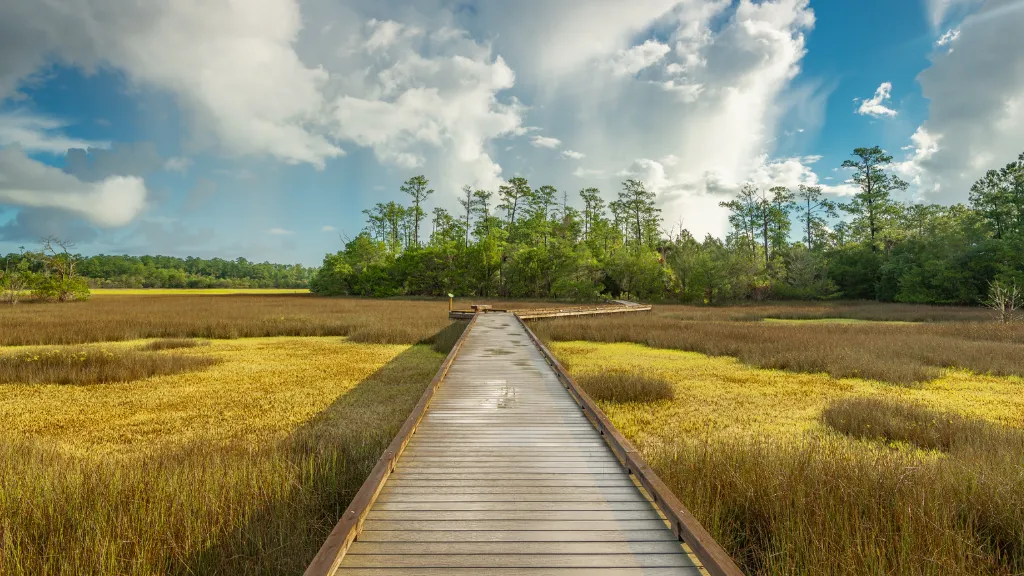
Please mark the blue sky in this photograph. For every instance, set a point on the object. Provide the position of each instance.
(263, 129)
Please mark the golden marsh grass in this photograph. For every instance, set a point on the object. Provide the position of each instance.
(240, 469)
(627, 386)
(117, 318)
(91, 365)
(902, 353)
(747, 450)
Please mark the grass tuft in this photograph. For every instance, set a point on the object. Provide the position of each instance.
(627, 386)
(891, 420)
(81, 366)
(172, 344)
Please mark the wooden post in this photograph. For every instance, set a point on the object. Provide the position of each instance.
(450, 298)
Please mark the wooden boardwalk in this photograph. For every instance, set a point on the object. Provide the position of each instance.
(504, 475)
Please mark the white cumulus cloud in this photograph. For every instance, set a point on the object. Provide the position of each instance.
(632, 60)
(39, 133)
(949, 37)
(876, 105)
(545, 142)
(280, 232)
(113, 201)
(574, 155)
(976, 106)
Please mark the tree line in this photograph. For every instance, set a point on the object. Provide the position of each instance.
(530, 242)
(54, 271)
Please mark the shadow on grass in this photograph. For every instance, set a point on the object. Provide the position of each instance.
(328, 458)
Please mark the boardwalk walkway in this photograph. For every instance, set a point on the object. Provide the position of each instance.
(505, 475)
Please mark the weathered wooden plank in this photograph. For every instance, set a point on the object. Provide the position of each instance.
(510, 505)
(643, 547)
(566, 491)
(542, 484)
(536, 470)
(510, 497)
(488, 561)
(660, 534)
(511, 525)
(537, 514)
(520, 571)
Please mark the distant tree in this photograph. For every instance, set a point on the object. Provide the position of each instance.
(813, 211)
(417, 188)
(61, 280)
(772, 211)
(593, 209)
(1005, 300)
(468, 205)
(638, 213)
(513, 195)
(872, 207)
(998, 197)
(482, 210)
(17, 276)
(743, 214)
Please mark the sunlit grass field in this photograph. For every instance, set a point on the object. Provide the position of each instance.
(748, 450)
(261, 389)
(241, 467)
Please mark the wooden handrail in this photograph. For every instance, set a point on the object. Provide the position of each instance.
(684, 525)
(348, 527)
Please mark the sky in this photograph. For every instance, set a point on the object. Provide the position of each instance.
(262, 128)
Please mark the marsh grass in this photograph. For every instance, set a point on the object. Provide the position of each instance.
(172, 344)
(852, 310)
(115, 318)
(747, 451)
(208, 507)
(91, 365)
(822, 507)
(891, 420)
(897, 353)
(626, 385)
(446, 338)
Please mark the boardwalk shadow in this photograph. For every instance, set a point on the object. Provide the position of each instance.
(318, 470)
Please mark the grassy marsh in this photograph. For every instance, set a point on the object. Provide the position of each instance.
(900, 353)
(241, 469)
(749, 452)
